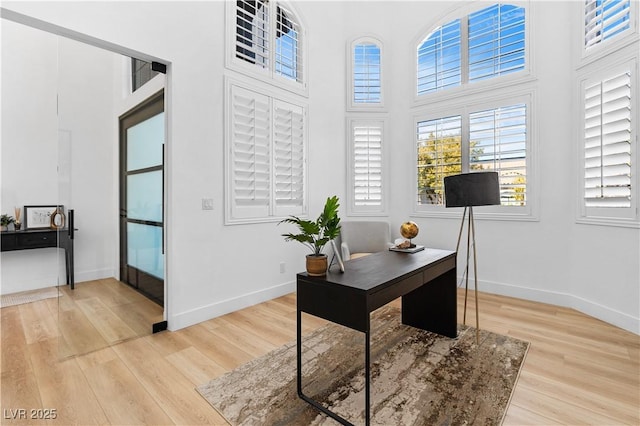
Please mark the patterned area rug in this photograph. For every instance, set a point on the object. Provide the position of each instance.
(418, 378)
(28, 296)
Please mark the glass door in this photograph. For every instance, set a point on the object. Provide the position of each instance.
(141, 198)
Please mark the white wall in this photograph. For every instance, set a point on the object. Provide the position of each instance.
(213, 268)
(80, 136)
(28, 97)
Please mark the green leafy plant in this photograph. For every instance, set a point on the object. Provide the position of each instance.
(5, 220)
(315, 234)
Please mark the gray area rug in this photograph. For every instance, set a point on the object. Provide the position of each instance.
(28, 296)
(418, 378)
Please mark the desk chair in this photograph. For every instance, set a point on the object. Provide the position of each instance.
(360, 238)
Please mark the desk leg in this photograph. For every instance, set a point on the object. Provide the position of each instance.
(67, 263)
(367, 379)
(71, 268)
(433, 306)
(299, 352)
(312, 401)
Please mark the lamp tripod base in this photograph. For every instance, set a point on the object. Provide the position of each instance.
(471, 242)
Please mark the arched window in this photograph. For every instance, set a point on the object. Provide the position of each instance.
(365, 73)
(439, 59)
(268, 35)
(491, 130)
(484, 44)
(604, 19)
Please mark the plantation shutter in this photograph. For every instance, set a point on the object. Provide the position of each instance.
(250, 153)
(288, 46)
(367, 170)
(498, 142)
(496, 41)
(288, 157)
(604, 19)
(439, 155)
(607, 143)
(366, 73)
(439, 63)
(252, 31)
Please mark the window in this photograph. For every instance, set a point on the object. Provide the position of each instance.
(439, 59)
(267, 39)
(609, 147)
(485, 44)
(366, 176)
(498, 142)
(439, 150)
(141, 73)
(605, 19)
(266, 147)
(476, 140)
(366, 73)
(496, 41)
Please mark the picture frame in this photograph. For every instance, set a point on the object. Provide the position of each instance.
(336, 253)
(39, 217)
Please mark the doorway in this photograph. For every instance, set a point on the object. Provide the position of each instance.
(141, 168)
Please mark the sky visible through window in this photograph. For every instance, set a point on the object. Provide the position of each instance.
(496, 41)
(366, 73)
(605, 19)
(496, 46)
(286, 55)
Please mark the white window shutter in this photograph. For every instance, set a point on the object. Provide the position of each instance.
(250, 153)
(604, 19)
(438, 67)
(366, 74)
(252, 32)
(288, 158)
(439, 155)
(607, 143)
(288, 50)
(496, 41)
(367, 166)
(498, 142)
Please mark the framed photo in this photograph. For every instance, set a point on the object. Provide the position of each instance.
(336, 253)
(38, 217)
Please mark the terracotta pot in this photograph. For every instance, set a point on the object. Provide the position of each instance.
(316, 265)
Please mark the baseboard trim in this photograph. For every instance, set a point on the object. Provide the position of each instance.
(588, 307)
(195, 316)
(604, 313)
(96, 274)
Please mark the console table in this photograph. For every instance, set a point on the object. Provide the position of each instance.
(42, 238)
(425, 280)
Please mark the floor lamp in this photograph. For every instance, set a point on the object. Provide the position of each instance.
(469, 190)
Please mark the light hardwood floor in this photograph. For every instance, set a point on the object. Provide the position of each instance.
(579, 370)
(100, 313)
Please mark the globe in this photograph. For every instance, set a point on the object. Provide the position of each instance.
(409, 230)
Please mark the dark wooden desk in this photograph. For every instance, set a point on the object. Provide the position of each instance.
(425, 280)
(42, 238)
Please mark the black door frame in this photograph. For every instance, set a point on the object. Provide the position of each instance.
(150, 286)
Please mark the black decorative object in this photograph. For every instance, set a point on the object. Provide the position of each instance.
(468, 190)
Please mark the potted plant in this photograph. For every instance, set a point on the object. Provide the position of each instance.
(5, 221)
(315, 234)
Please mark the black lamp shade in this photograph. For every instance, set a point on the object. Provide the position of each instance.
(472, 189)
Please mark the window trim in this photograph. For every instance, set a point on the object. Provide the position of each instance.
(466, 88)
(351, 105)
(352, 209)
(268, 74)
(608, 216)
(274, 215)
(464, 109)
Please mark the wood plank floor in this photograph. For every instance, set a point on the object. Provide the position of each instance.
(98, 314)
(579, 370)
